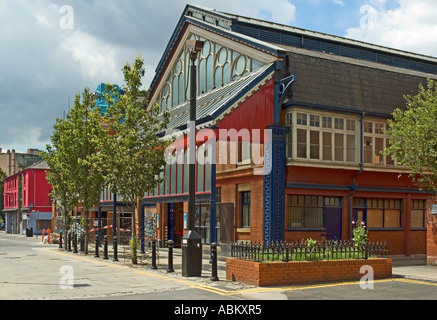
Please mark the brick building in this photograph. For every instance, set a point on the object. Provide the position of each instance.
(325, 101)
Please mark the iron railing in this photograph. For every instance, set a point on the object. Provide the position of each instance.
(307, 251)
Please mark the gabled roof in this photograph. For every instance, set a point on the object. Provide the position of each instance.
(212, 105)
(275, 38)
(39, 165)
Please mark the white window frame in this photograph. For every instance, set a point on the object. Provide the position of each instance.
(312, 118)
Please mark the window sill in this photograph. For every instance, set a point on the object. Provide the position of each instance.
(243, 230)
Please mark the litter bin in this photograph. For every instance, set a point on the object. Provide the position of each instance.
(191, 255)
(29, 232)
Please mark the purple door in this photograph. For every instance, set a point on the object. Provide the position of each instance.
(333, 223)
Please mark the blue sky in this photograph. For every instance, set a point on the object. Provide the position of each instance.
(42, 66)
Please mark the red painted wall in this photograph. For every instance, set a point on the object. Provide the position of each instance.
(255, 113)
(36, 190)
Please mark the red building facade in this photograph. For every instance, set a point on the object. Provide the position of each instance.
(26, 200)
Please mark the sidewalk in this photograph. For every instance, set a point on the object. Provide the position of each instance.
(413, 267)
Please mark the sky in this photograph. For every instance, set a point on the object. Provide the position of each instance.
(50, 50)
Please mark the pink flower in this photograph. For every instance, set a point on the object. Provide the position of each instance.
(353, 222)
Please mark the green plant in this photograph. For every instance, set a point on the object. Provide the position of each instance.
(359, 233)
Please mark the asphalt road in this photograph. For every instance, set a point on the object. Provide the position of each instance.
(30, 270)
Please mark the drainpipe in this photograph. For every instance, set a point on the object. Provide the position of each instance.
(354, 186)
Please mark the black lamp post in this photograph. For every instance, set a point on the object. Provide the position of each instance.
(191, 241)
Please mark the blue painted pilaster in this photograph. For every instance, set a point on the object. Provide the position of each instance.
(274, 184)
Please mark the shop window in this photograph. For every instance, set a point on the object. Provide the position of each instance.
(418, 214)
(305, 212)
(379, 213)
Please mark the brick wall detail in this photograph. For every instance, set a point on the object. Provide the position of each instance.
(296, 273)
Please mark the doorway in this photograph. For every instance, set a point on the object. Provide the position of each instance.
(333, 223)
(175, 218)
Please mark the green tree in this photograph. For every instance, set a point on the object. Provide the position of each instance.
(133, 153)
(76, 171)
(413, 136)
(60, 162)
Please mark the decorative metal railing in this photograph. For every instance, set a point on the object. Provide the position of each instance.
(307, 250)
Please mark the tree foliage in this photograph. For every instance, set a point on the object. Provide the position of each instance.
(133, 152)
(120, 149)
(413, 136)
(76, 173)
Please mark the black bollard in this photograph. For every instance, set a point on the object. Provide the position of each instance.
(114, 245)
(96, 252)
(69, 241)
(60, 240)
(154, 255)
(214, 276)
(170, 256)
(105, 247)
(82, 243)
(74, 242)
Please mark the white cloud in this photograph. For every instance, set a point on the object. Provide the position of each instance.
(339, 3)
(97, 59)
(412, 26)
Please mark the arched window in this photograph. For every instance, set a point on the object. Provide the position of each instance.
(217, 66)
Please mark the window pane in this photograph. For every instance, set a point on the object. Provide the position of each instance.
(294, 219)
(368, 127)
(314, 145)
(327, 146)
(417, 218)
(350, 125)
(314, 121)
(368, 150)
(302, 119)
(339, 147)
(379, 128)
(327, 122)
(314, 218)
(374, 218)
(339, 124)
(350, 148)
(245, 209)
(391, 218)
(379, 147)
(301, 143)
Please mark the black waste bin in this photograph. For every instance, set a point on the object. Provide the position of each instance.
(191, 255)
(29, 232)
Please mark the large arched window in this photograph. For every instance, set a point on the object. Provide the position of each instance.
(217, 66)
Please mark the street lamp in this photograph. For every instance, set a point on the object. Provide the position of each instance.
(191, 241)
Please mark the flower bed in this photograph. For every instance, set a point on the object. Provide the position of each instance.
(266, 274)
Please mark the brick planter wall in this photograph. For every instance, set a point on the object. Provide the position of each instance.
(292, 273)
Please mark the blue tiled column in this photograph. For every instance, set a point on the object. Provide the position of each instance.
(274, 185)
